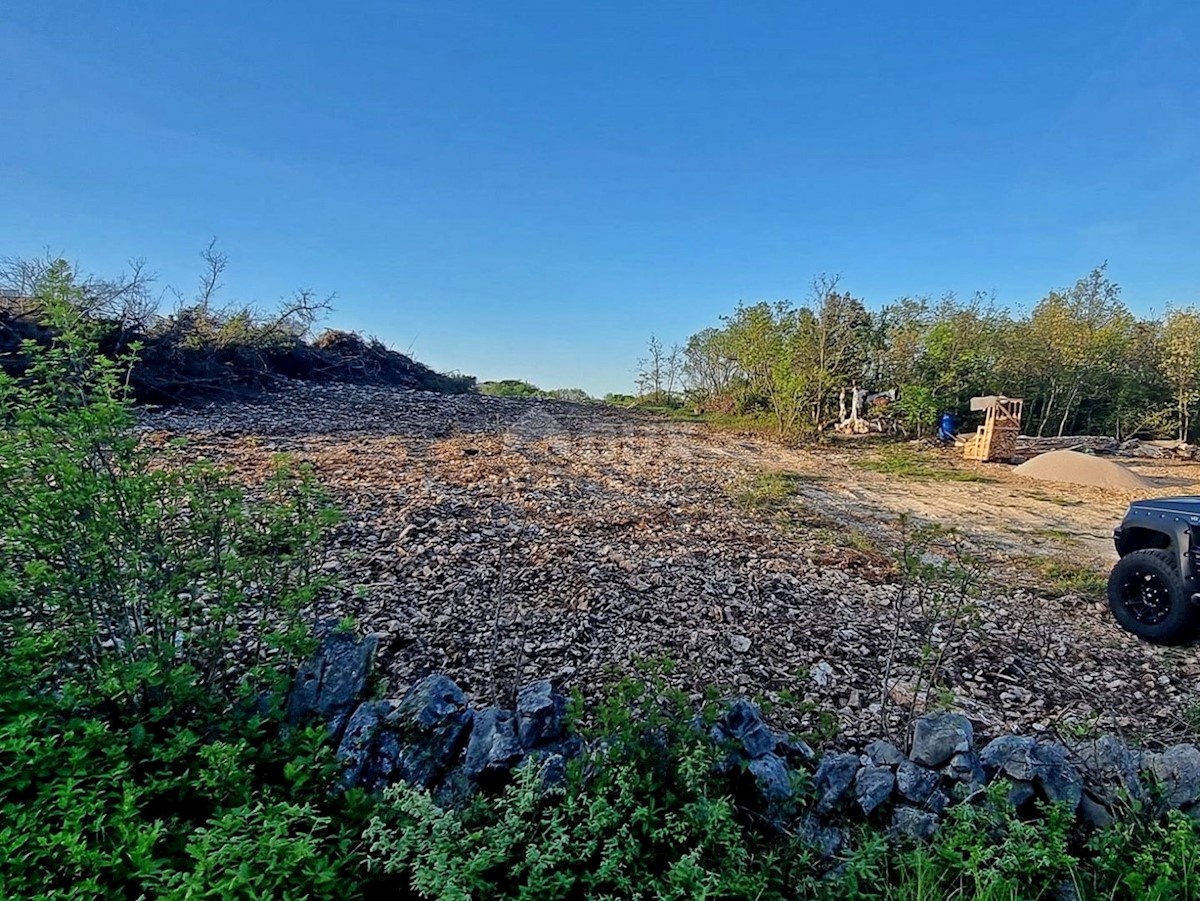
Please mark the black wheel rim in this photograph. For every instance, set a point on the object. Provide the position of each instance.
(1147, 597)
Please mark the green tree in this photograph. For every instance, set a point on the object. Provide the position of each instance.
(1080, 336)
(510, 388)
(1181, 363)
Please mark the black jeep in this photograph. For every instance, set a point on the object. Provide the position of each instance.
(1155, 587)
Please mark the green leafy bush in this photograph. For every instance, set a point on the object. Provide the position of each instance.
(211, 805)
(918, 408)
(650, 813)
(121, 575)
(510, 388)
(983, 850)
(147, 613)
(642, 816)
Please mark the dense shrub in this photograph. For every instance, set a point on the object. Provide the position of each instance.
(191, 804)
(148, 613)
(653, 812)
(120, 577)
(518, 388)
(642, 817)
(200, 351)
(510, 388)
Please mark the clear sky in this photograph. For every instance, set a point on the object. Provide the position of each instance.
(529, 189)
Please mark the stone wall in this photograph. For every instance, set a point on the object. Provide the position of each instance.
(433, 738)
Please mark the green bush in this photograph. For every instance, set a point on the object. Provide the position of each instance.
(983, 851)
(918, 408)
(122, 575)
(211, 805)
(510, 388)
(148, 613)
(644, 816)
(650, 812)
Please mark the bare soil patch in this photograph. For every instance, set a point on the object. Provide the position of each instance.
(500, 540)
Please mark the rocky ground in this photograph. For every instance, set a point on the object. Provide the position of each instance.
(500, 541)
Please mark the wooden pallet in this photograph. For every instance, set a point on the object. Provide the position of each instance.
(996, 439)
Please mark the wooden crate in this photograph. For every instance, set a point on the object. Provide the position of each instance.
(996, 439)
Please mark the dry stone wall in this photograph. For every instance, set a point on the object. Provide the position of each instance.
(433, 738)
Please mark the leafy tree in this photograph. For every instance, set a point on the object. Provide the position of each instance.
(1181, 363)
(510, 388)
(709, 368)
(1080, 359)
(575, 395)
(1079, 335)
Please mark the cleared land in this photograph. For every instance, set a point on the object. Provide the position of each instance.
(501, 540)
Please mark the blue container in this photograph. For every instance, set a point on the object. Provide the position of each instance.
(946, 429)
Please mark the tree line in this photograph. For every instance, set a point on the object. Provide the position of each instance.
(1083, 362)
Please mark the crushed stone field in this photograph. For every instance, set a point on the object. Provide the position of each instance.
(501, 540)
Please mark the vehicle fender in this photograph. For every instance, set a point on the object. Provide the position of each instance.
(1133, 532)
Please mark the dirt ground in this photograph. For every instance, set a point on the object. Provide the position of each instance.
(1001, 511)
(500, 541)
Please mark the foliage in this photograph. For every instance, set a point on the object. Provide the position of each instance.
(573, 395)
(201, 350)
(904, 461)
(652, 814)
(119, 578)
(620, 400)
(1146, 858)
(147, 612)
(189, 803)
(768, 491)
(518, 388)
(983, 851)
(1081, 360)
(510, 388)
(642, 817)
(1057, 576)
(1181, 362)
(918, 409)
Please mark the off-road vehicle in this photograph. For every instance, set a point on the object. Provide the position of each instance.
(1154, 589)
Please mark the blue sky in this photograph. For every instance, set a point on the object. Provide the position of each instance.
(530, 189)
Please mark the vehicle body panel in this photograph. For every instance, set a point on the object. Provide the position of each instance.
(1164, 522)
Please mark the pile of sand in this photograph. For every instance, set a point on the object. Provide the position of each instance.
(1080, 469)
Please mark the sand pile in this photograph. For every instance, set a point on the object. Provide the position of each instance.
(1080, 469)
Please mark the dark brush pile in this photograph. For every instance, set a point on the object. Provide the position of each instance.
(181, 363)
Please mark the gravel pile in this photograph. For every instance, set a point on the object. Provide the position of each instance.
(500, 541)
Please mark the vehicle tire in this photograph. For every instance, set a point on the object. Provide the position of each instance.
(1147, 596)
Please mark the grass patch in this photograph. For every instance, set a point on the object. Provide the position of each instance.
(1059, 576)
(849, 537)
(772, 493)
(1056, 534)
(911, 464)
(768, 492)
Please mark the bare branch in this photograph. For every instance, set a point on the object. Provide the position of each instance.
(210, 280)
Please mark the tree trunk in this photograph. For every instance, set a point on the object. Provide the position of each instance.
(1062, 425)
(1049, 405)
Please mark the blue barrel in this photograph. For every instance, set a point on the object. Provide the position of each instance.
(946, 429)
